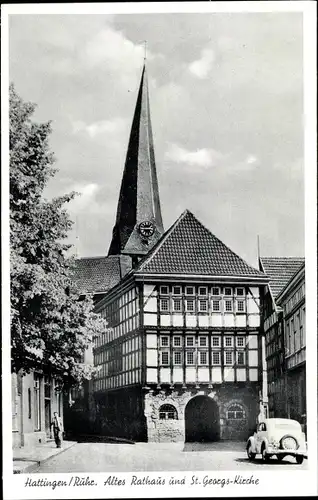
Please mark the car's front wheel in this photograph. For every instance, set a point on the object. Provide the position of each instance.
(251, 455)
(299, 459)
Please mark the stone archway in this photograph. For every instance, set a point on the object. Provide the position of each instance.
(202, 420)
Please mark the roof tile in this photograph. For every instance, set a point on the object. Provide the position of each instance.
(280, 270)
(97, 274)
(190, 248)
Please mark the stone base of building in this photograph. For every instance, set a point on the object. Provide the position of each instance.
(224, 412)
(16, 440)
(176, 414)
(33, 438)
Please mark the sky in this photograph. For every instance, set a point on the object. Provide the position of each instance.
(226, 99)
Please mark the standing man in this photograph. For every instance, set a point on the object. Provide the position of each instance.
(57, 429)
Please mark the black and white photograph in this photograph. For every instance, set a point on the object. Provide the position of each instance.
(159, 265)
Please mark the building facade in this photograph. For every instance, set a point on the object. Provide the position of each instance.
(282, 271)
(182, 357)
(292, 302)
(35, 397)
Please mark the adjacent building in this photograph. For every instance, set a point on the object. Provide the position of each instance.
(292, 301)
(182, 359)
(284, 327)
(34, 399)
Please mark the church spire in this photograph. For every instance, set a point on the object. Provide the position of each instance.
(138, 222)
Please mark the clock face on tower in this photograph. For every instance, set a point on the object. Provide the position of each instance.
(146, 229)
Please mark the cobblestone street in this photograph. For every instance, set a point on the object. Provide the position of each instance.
(106, 457)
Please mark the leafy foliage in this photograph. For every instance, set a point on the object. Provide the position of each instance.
(50, 327)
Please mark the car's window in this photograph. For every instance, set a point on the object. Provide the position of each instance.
(262, 427)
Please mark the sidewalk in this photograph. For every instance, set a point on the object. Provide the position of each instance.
(28, 459)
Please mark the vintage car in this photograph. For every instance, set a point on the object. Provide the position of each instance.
(277, 436)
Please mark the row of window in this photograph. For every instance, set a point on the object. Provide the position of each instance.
(169, 412)
(130, 345)
(295, 299)
(295, 336)
(202, 341)
(202, 305)
(126, 378)
(202, 358)
(118, 331)
(202, 291)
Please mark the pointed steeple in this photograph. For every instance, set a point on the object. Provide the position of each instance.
(138, 222)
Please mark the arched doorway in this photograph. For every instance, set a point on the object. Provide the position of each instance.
(202, 421)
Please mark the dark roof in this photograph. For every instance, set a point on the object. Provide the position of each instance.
(280, 270)
(99, 274)
(297, 275)
(190, 248)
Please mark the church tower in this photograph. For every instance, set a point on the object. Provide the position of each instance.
(138, 223)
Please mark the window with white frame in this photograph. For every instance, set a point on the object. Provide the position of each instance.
(228, 341)
(177, 358)
(216, 341)
(216, 358)
(240, 341)
(168, 412)
(177, 305)
(216, 290)
(190, 357)
(189, 290)
(203, 357)
(203, 341)
(177, 341)
(216, 305)
(164, 341)
(228, 305)
(203, 290)
(227, 291)
(240, 291)
(177, 290)
(164, 305)
(203, 305)
(189, 341)
(240, 305)
(164, 290)
(228, 358)
(240, 358)
(235, 412)
(165, 357)
(190, 305)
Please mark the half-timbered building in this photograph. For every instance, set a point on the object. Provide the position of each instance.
(280, 270)
(292, 301)
(182, 358)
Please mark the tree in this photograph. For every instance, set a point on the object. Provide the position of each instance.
(51, 327)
